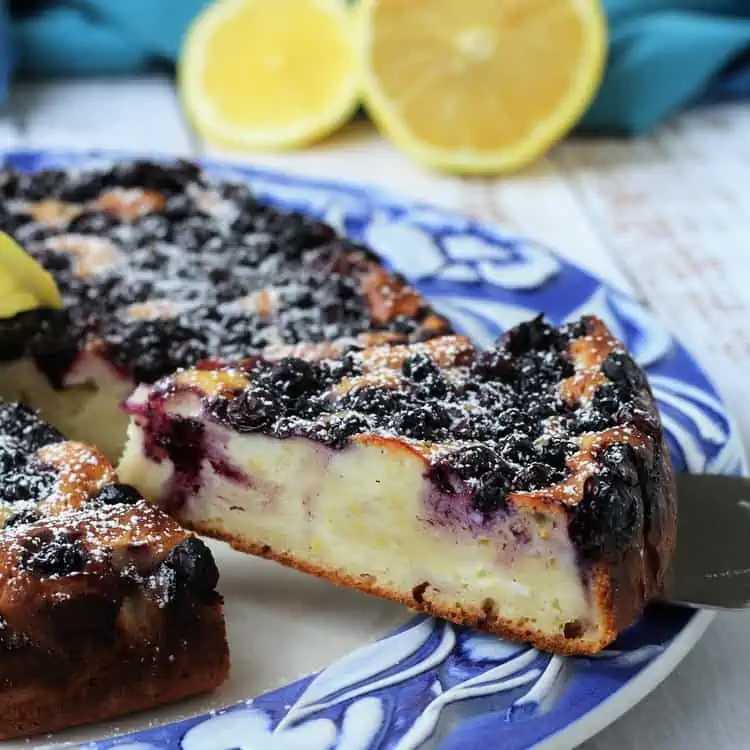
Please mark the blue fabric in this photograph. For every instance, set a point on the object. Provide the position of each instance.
(664, 55)
(99, 37)
(6, 58)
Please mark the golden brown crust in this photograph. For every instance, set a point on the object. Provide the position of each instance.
(129, 203)
(112, 679)
(638, 576)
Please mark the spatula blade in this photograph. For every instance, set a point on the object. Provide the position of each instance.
(711, 567)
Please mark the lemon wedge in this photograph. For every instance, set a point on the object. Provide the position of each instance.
(269, 74)
(479, 86)
(24, 284)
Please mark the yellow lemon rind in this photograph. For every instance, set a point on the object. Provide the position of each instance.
(23, 282)
(504, 160)
(208, 123)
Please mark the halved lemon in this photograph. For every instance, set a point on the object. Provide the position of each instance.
(24, 284)
(270, 74)
(479, 86)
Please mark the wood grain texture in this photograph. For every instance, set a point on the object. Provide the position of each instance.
(667, 216)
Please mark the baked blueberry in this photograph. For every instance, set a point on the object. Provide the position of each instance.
(620, 368)
(293, 377)
(52, 553)
(114, 494)
(23, 516)
(253, 409)
(474, 461)
(194, 565)
(490, 495)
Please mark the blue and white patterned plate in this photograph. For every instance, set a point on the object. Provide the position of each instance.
(429, 684)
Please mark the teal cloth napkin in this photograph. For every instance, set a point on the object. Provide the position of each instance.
(664, 55)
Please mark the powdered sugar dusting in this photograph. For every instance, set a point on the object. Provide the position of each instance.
(161, 267)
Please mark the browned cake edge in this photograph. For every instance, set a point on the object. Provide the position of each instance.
(638, 575)
(119, 679)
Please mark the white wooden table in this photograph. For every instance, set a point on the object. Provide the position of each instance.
(667, 217)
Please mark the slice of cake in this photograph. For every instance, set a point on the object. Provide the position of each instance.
(106, 605)
(525, 490)
(161, 267)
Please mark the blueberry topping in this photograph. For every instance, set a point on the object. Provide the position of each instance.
(609, 517)
(210, 248)
(577, 329)
(293, 377)
(24, 478)
(531, 336)
(379, 402)
(52, 553)
(491, 493)
(55, 344)
(118, 494)
(517, 449)
(607, 400)
(496, 364)
(590, 421)
(92, 222)
(419, 367)
(620, 368)
(425, 422)
(21, 517)
(252, 410)
(194, 565)
(642, 417)
(535, 476)
(157, 347)
(15, 334)
(556, 451)
(474, 461)
(341, 430)
(622, 462)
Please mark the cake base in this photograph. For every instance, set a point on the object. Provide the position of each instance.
(40, 693)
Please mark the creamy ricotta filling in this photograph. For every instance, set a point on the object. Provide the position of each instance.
(87, 408)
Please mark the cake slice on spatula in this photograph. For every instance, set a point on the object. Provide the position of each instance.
(525, 490)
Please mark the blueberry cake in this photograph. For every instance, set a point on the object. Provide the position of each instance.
(288, 394)
(106, 605)
(162, 267)
(525, 489)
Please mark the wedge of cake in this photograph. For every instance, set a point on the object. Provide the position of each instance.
(161, 267)
(106, 605)
(525, 490)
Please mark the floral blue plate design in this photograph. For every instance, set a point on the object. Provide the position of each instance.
(431, 684)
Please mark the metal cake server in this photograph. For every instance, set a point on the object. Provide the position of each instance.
(711, 567)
